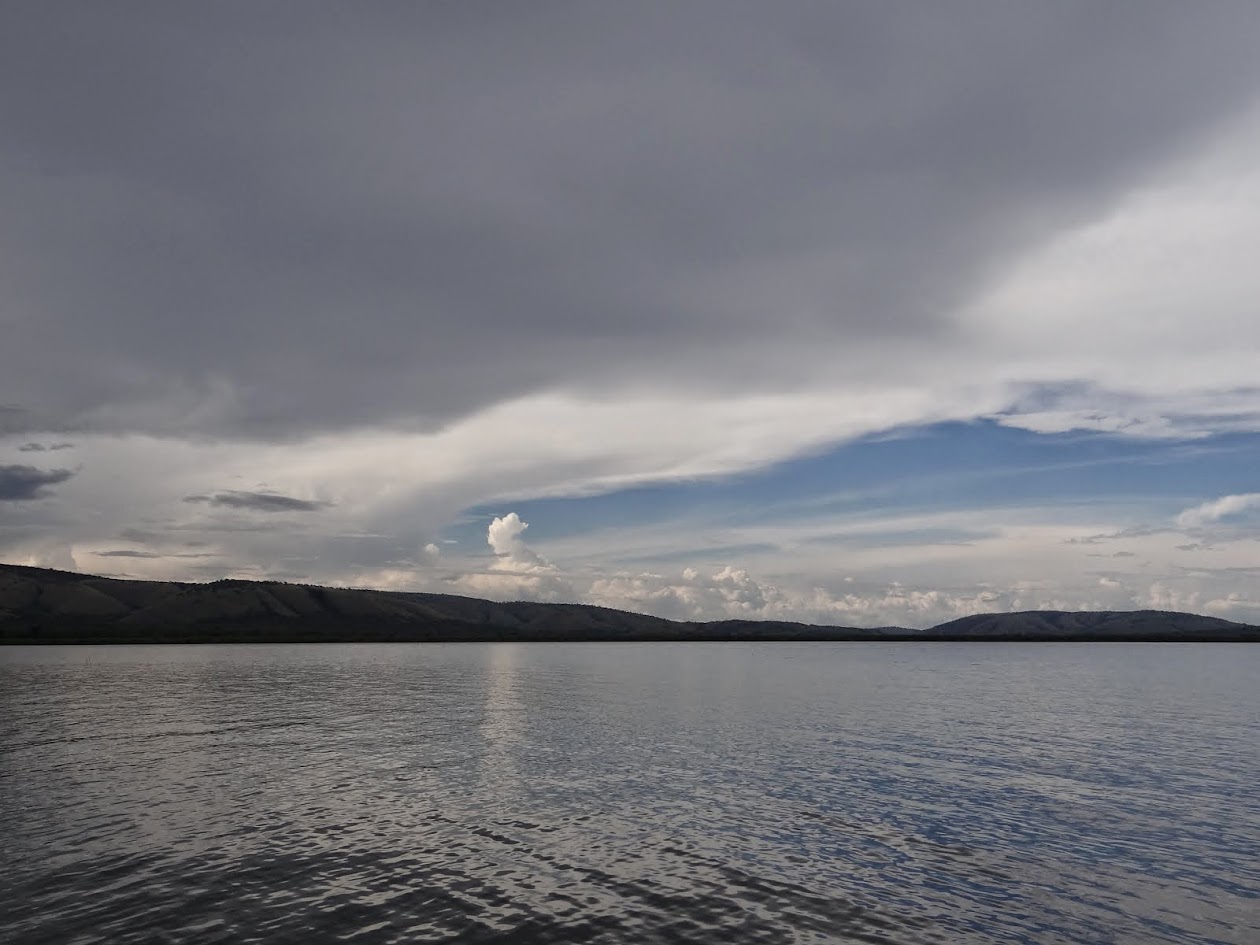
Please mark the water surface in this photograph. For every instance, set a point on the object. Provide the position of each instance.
(901, 793)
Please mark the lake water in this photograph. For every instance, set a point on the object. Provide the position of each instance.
(952, 793)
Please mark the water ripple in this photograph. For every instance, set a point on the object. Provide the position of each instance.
(647, 793)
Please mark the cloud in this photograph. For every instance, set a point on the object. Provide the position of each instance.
(504, 537)
(1218, 509)
(731, 591)
(44, 447)
(1235, 606)
(24, 483)
(1133, 531)
(727, 592)
(434, 262)
(149, 555)
(711, 199)
(734, 593)
(518, 572)
(1161, 596)
(258, 501)
(14, 419)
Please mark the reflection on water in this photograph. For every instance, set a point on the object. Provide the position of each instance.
(622, 793)
(502, 720)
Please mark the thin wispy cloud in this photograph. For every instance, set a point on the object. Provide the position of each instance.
(44, 447)
(258, 501)
(148, 555)
(1217, 510)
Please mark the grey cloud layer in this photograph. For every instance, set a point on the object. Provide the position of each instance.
(235, 219)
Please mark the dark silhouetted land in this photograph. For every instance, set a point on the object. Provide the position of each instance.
(38, 605)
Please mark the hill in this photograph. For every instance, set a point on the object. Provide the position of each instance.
(38, 605)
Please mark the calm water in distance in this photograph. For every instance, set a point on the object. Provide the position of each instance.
(850, 792)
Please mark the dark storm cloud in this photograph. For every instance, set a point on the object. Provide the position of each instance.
(23, 483)
(258, 501)
(268, 219)
(44, 447)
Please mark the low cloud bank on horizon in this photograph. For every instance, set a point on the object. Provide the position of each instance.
(824, 312)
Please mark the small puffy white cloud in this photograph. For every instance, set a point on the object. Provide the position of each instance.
(518, 572)
(504, 536)
(1218, 509)
(432, 552)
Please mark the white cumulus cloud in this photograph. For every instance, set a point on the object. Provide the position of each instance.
(518, 571)
(504, 535)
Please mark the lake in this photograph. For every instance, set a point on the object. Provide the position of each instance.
(520, 793)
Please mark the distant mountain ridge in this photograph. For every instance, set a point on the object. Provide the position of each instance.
(38, 605)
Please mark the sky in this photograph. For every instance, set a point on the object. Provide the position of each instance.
(851, 313)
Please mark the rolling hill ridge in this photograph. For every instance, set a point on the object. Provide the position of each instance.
(39, 605)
